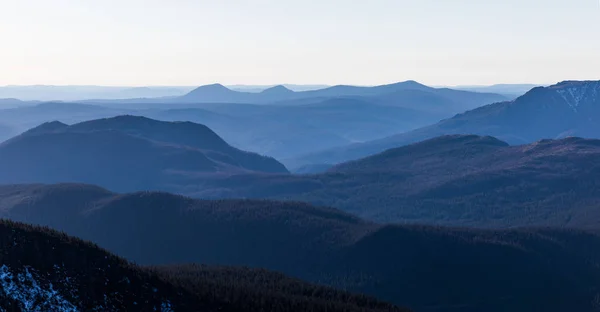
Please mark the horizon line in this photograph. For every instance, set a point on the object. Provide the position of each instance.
(282, 84)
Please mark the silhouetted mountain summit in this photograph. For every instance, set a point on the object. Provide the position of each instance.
(124, 153)
(277, 90)
(179, 133)
(570, 108)
(345, 90)
(47, 127)
(219, 94)
(215, 88)
(214, 93)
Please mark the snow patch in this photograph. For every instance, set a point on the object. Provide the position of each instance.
(31, 293)
(24, 289)
(575, 95)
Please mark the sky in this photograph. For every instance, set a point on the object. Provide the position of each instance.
(196, 42)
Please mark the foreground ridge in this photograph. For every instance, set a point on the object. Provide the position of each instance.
(44, 270)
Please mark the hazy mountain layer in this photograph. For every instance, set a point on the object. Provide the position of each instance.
(569, 108)
(450, 180)
(124, 153)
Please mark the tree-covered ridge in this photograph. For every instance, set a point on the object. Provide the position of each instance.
(40, 264)
(261, 290)
(459, 180)
(422, 267)
(45, 270)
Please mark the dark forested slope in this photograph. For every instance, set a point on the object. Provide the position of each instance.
(460, 180)
(425, 268)
(43, 270)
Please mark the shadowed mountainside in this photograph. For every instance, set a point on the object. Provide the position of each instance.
(124, 153)
(43, 270)
(570, 108)
(425, 268)
(5, 132)
(451, 180)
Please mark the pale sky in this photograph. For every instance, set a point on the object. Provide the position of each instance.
(366, 42)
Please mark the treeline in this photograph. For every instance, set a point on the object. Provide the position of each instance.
(261, 290)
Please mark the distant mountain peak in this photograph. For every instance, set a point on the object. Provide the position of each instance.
(102, 147)
(409, 84)
(46, 127)
(576, 93)
(211, 88)
(280, 89)
(413, 82)
(125, 121)
(465, 139)
(575, 83)
(130, 118)
(213, 92)
(55, 124)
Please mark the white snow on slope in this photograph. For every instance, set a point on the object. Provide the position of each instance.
(26, 290)
(575, 95)
(29, 294)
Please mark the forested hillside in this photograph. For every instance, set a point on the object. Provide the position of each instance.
(44, 270)
(414, 266)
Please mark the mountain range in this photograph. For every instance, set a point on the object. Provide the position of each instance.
(285, 131)
(493, 209)
(44, 270)
(75, 93)
(281, 123)
(566, 109)
(124, 153)
(259, 88)
(217, 93)
(457, 180)
(510, 90)
(280, 130)
(518, 270)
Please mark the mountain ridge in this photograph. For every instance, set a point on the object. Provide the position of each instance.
(542, 113)
(454, 180)
(553, 269)
(217, 93)
(148, 154)
(44, 270)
